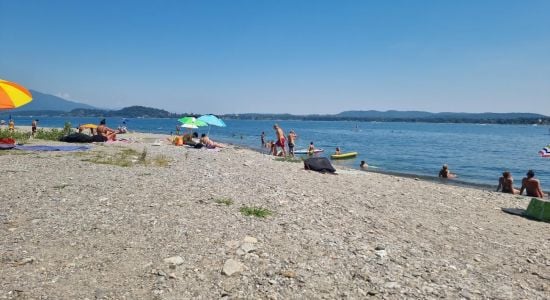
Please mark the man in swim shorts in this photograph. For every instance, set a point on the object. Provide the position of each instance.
(531, 185)
(280, 139)
(291, 142)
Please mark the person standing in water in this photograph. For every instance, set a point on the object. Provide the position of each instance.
(262, 139)
(291, 142)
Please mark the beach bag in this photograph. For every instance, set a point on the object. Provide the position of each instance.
(319, 164)
(99, 138)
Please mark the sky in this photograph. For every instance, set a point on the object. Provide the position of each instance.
(298, 56)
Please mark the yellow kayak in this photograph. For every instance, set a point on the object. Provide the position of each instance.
(94, 126)
(344, 155)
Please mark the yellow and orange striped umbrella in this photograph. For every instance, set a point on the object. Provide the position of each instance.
(13, 95)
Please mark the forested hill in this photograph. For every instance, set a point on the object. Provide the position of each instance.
(127, 112)
(395, 114)
(406, 116)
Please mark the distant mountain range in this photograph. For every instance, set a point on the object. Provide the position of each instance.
(49, 105)
(43, 101)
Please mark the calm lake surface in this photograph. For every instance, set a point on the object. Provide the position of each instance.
(477, 153)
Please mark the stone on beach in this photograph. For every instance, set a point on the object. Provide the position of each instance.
(231, 267)
(174, 260)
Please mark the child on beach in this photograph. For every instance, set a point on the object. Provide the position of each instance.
(337, 152)
(11, 125)
(363, 165)
(311, 149)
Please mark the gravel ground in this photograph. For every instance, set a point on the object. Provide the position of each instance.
(171, 228)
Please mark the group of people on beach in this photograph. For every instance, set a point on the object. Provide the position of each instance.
(11, 124)
(192, 139)
(281, 142)
(529, 183)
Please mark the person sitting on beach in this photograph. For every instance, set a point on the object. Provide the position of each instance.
(280, 139)
(311, 149)
(363, 165)
(445, 173)
(105, 131)
(122, 129)
(531, 185)
(506, 183)
(210, 144)
(337, 152)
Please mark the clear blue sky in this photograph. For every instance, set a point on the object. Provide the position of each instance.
(283, 56)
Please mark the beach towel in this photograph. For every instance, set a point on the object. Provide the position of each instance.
(319, 164)
(52, 148)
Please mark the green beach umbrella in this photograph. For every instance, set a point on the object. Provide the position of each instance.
(192, 121)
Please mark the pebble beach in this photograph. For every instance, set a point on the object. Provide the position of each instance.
(139, 221)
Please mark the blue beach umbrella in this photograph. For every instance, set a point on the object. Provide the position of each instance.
(212, 120)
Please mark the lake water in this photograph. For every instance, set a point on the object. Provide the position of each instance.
(477, 153)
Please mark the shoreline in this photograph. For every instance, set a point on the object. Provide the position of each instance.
(453, 182)
(434, 179)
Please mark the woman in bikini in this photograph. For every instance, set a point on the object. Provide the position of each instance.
(105, 131)
(506, 184)
(210, 144)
